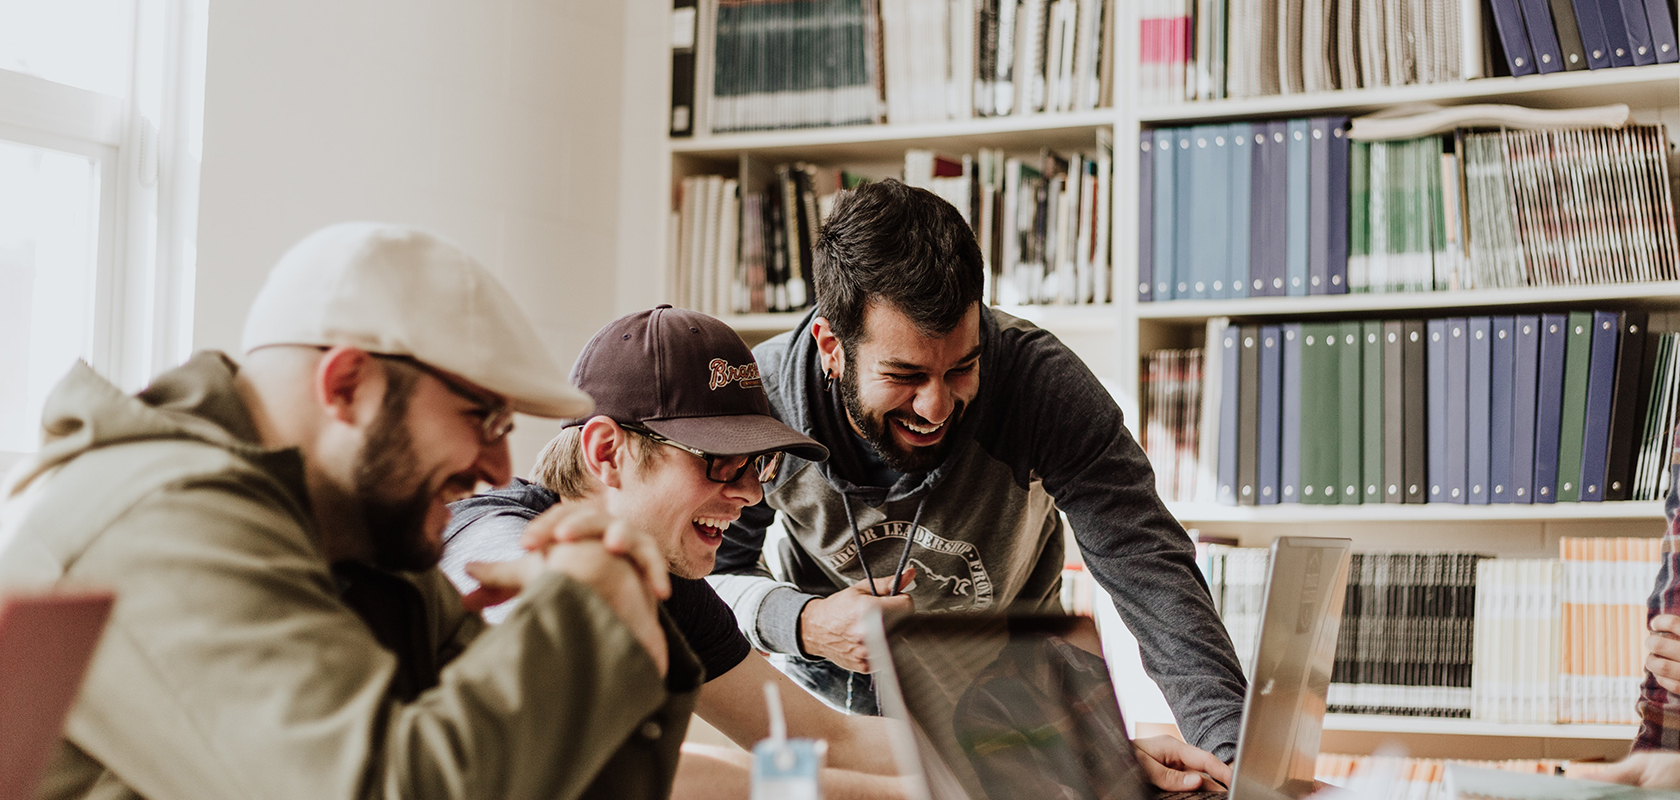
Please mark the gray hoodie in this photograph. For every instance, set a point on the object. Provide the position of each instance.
(983, 530)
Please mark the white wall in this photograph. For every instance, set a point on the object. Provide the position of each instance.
(494, 122)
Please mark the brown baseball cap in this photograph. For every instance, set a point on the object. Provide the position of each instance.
(688, 377)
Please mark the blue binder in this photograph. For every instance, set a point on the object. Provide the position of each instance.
(1542, 37)
(1184, 215)
(1336, 216)
(1601, 390)
(1616, 31)
(1661, 23)
(1318, 206)
(1166, 204)
(1593, 37)
(1525, 403)
(1458, 411)
(1229, 376)
(1436, 367)
(1501, 382)
(1146, 218)
(1271, 415)
(1241, 139)
(1479, 403)
(1513, 37)
(1639, 32)
(1289, 446)
(1296, 278)
(1548, 408)
(1271, 206)
(1212, 208)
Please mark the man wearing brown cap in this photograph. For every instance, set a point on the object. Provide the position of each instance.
(681, 436)
(272, 531)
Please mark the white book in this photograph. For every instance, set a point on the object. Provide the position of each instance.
(702, 280)
(1102, 259)
(692, 200)
(960, 79)
(729, 239)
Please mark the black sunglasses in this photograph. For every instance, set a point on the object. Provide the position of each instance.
(724, 469)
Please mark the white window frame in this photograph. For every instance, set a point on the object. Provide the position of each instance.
(146, 146)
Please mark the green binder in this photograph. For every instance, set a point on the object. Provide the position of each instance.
(1320, 412)
(1371, 411)
(1577, 359)
(1350, 356)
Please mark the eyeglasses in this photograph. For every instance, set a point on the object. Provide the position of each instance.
(724, 469)
(497, 416)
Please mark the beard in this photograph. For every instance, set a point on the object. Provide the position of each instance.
(396, 526)
(898, 457)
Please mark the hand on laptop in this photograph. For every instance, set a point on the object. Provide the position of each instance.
(1649, 770)
(1664, 644)
(1178, 767)
(832, 627)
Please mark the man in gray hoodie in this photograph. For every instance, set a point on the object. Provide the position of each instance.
(956, 432)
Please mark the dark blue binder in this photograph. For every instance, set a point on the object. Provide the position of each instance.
(1336, 216)
(1241, 183)
(1184, 215)
(1501, 381)
(1616, 29)
(1525, 402)
(1593, 37)
(1297, 193)
(1513, 37)
(1548, 408)
(1259, 216)
(1271, 207)
(1319, 221)
(1436, 368)
(1542, 37)
(1639, 33)
(1271, 417)
(1229, 376)
(1166, 205)
(1661, 22)
(1601, 390)
(1480, 404)
(1457, 489)
(1289, 445)
(1146, 218)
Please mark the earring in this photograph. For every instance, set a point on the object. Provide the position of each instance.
(828, 381)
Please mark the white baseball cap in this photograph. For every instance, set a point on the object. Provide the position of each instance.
(398, 290)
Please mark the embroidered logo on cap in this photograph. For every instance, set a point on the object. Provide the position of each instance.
(723, 374)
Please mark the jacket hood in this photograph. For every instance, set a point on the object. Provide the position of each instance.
(196, 401)
(793, 378)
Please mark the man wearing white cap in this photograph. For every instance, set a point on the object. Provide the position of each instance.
(272, 531)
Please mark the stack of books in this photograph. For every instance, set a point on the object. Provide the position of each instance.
(1237, 578)
(1545, 408)
(744, 251)
(1519, 635)
(1297, 208)
(804, 63)
(1172, 420)
(1405, 645)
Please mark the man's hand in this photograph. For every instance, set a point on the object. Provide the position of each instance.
(1649, 770)
(578, 521)
(832, 627)
(1178, 767)
(1664, 644)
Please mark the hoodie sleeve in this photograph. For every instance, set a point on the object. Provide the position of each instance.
(230, 669)
(1070, 431)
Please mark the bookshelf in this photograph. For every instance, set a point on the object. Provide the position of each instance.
(1112, 337)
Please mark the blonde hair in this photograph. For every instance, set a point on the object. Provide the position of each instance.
(560, 465)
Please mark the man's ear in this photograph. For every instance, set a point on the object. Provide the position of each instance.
(345, 378)
(605, 448)
(828, 348)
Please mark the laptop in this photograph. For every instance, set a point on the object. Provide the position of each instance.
(46, 642)
(999, 706)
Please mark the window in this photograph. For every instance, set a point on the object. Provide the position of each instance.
(100, 119)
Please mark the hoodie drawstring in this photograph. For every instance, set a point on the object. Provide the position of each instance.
(903, 557)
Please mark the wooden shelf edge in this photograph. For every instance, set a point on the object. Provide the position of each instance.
(1194, 310)
(729, 143)
(1296, 514)
(1083, 318)
(1468, 727)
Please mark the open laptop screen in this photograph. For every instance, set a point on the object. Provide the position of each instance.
(1012, 706)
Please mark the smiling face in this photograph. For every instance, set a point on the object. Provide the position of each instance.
(903, 389)
(666, 493)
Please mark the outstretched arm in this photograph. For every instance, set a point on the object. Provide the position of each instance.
(734, 704)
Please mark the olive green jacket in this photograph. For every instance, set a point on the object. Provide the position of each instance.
(231, 668)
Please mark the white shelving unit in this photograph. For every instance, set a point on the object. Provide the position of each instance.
(1111, 337)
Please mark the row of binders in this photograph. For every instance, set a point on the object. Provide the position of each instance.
(740, 65)
(1462, 635)
(1561, 640)
(1568, 35)
(1510, 409)
(1296, 208)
